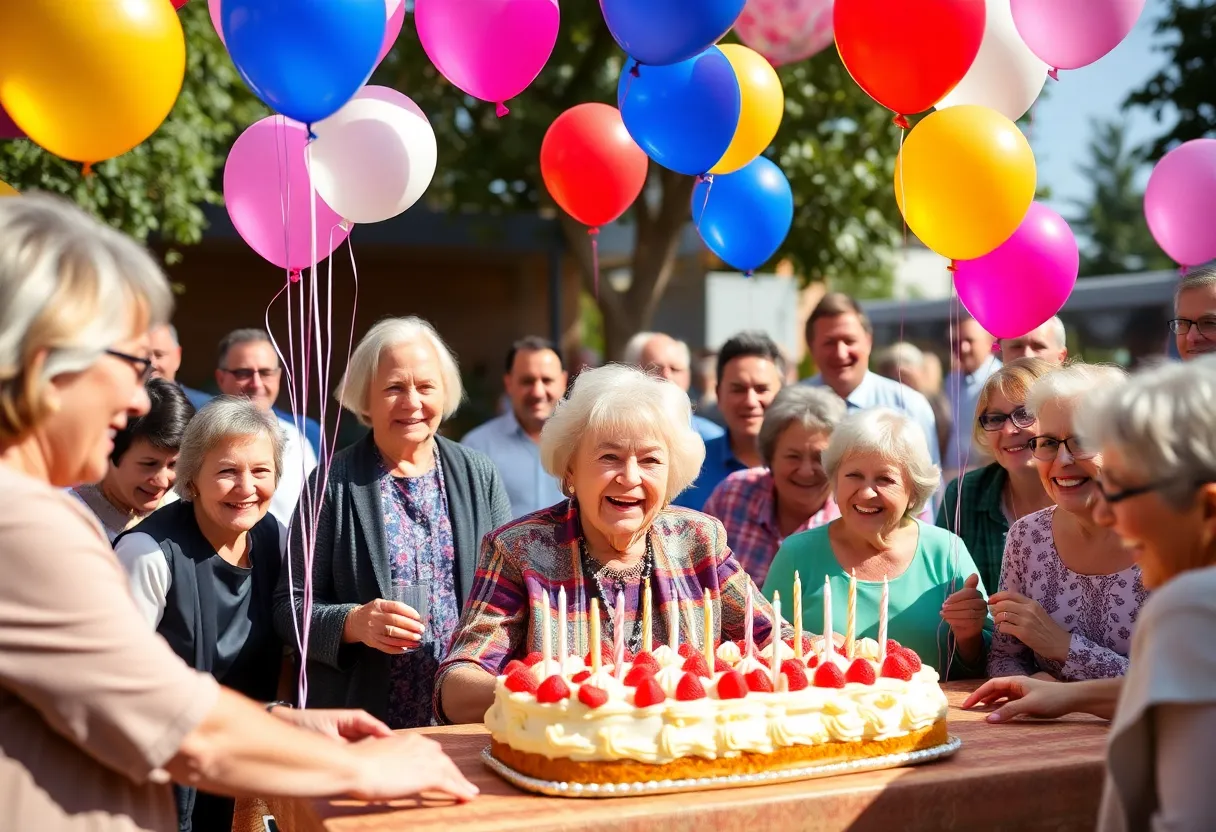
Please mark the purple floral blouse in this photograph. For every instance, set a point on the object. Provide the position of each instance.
(1099, 610)
(419, 536)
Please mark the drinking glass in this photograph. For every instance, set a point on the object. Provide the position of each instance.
(416, 596)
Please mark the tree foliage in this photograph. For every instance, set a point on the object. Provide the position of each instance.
(158, 188)
(1187, 82)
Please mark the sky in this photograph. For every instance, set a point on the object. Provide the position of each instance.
(1061, 132)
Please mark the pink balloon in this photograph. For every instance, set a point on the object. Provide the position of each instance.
(1180, 202)
(1025, 280)
(9, 128)
(786, 31)
(395, 11)
(213, 6)
(266, 189)
(490, 49)
(1069, 34)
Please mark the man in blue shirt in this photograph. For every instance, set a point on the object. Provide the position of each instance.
(974, 363)
(659, 353)
(750, 372)
(535, 381)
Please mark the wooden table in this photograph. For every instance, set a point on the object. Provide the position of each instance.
(1022, 776)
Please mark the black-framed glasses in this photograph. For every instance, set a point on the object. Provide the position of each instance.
(1112, 497)
(995, 420)
(142, 365)
(247, 373)
(1046, 448)
(1206, 327)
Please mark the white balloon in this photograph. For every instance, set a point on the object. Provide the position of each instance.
(1006, 75)
(373, 159)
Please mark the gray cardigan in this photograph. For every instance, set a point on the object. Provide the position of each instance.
(351, 565)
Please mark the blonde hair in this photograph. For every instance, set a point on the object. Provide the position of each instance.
(70, 288)
(1013, 381)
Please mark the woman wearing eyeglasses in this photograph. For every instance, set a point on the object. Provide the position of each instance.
(980, 506)
(1070, 592)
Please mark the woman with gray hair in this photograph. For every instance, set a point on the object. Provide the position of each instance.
(1069, 593)
(761, 507)
(97, 714)
(623, 447)
(882, 476)
(402, 515)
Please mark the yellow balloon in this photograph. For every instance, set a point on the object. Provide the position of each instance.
(964, 180)
(763, 102)
(90, 80)
(7, 190)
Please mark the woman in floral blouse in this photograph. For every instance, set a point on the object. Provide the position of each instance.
(1069, 591)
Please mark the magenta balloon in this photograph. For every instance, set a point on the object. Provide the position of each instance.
(266, 190)
(1025, 280)
(490, 49)
(1180, 202)
(786, 31)
(395, 9)
(9, 128)
(1069, 34)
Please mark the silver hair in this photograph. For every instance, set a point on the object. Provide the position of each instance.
(815, 408)
(1163, 423)
(70, 288)
(900, 354)
(617, 401)
(224, 418)
(1204, 278)
(249, 335)
(892, 436)
(635, 345)
(355, 388)
(1067, 385)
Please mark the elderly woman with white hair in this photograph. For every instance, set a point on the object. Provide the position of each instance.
(623, 448)
(1069, 593)
(402, 515)
(882, 477)
(97, 713)
(761, 507)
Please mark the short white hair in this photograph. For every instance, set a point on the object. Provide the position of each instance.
(901, 354)
(617, 401)
(1163, 423)
(1204, 278)
(222, 419)
(634, 347)
(1065, 386)
(355, 388)
(890, 435)
(70, 288)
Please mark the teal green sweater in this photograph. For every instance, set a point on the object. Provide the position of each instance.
(940, 566)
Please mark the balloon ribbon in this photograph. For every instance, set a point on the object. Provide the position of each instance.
(594, 234)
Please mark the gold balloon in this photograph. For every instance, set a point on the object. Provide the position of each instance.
(7, 190)
(90, 80)
(761, 106)
(964, 180)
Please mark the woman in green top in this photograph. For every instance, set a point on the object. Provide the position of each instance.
(992, 498)
(881, 474)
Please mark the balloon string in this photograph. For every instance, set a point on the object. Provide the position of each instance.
(594, 234)
(707, 178)
(633, 73)
(903, 197)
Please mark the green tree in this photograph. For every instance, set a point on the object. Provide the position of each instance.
(1114, 234)
(158, 188)
(1187, 82)
(836, 146)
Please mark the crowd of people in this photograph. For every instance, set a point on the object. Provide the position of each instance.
(1045, 522)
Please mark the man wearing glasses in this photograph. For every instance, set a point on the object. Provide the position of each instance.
(1194, 323)
(249, 367)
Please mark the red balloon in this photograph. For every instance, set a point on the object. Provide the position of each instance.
(177, 4)
(591, 165)
(907, 55)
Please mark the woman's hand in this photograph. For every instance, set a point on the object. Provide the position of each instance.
(965, 611)
(1029, 623)
(347, 725)
(1025, 696)
(407, 764)
(387, 626)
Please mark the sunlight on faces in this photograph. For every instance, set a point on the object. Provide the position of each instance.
(841, 348)
(406, 395)
(873, 493)
(165, 353)
(1069, 482)
(259, 361)
(1008, 445)
(972, 345)
(535, 385)
(797, 468)
(620, 480)
(749, 385)
(1195, 305)
(1038, 343)
(143, 476)
(663, 356)
(236, 482)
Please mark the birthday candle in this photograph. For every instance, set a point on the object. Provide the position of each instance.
(595, 635)
(850, 633)
(775, 664)
(797, 616)
(646, 623)
(618, 634)
(882, 622)
(708, 647)
(747, 626)
(561, 631)
(546, 640)
(828, 640)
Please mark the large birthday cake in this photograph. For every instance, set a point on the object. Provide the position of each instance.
(674, 714)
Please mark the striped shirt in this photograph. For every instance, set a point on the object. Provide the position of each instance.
(525, 563)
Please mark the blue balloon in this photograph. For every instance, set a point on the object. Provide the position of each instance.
(683, 115)
(662, 32)
(304, 58)
(744, 216)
